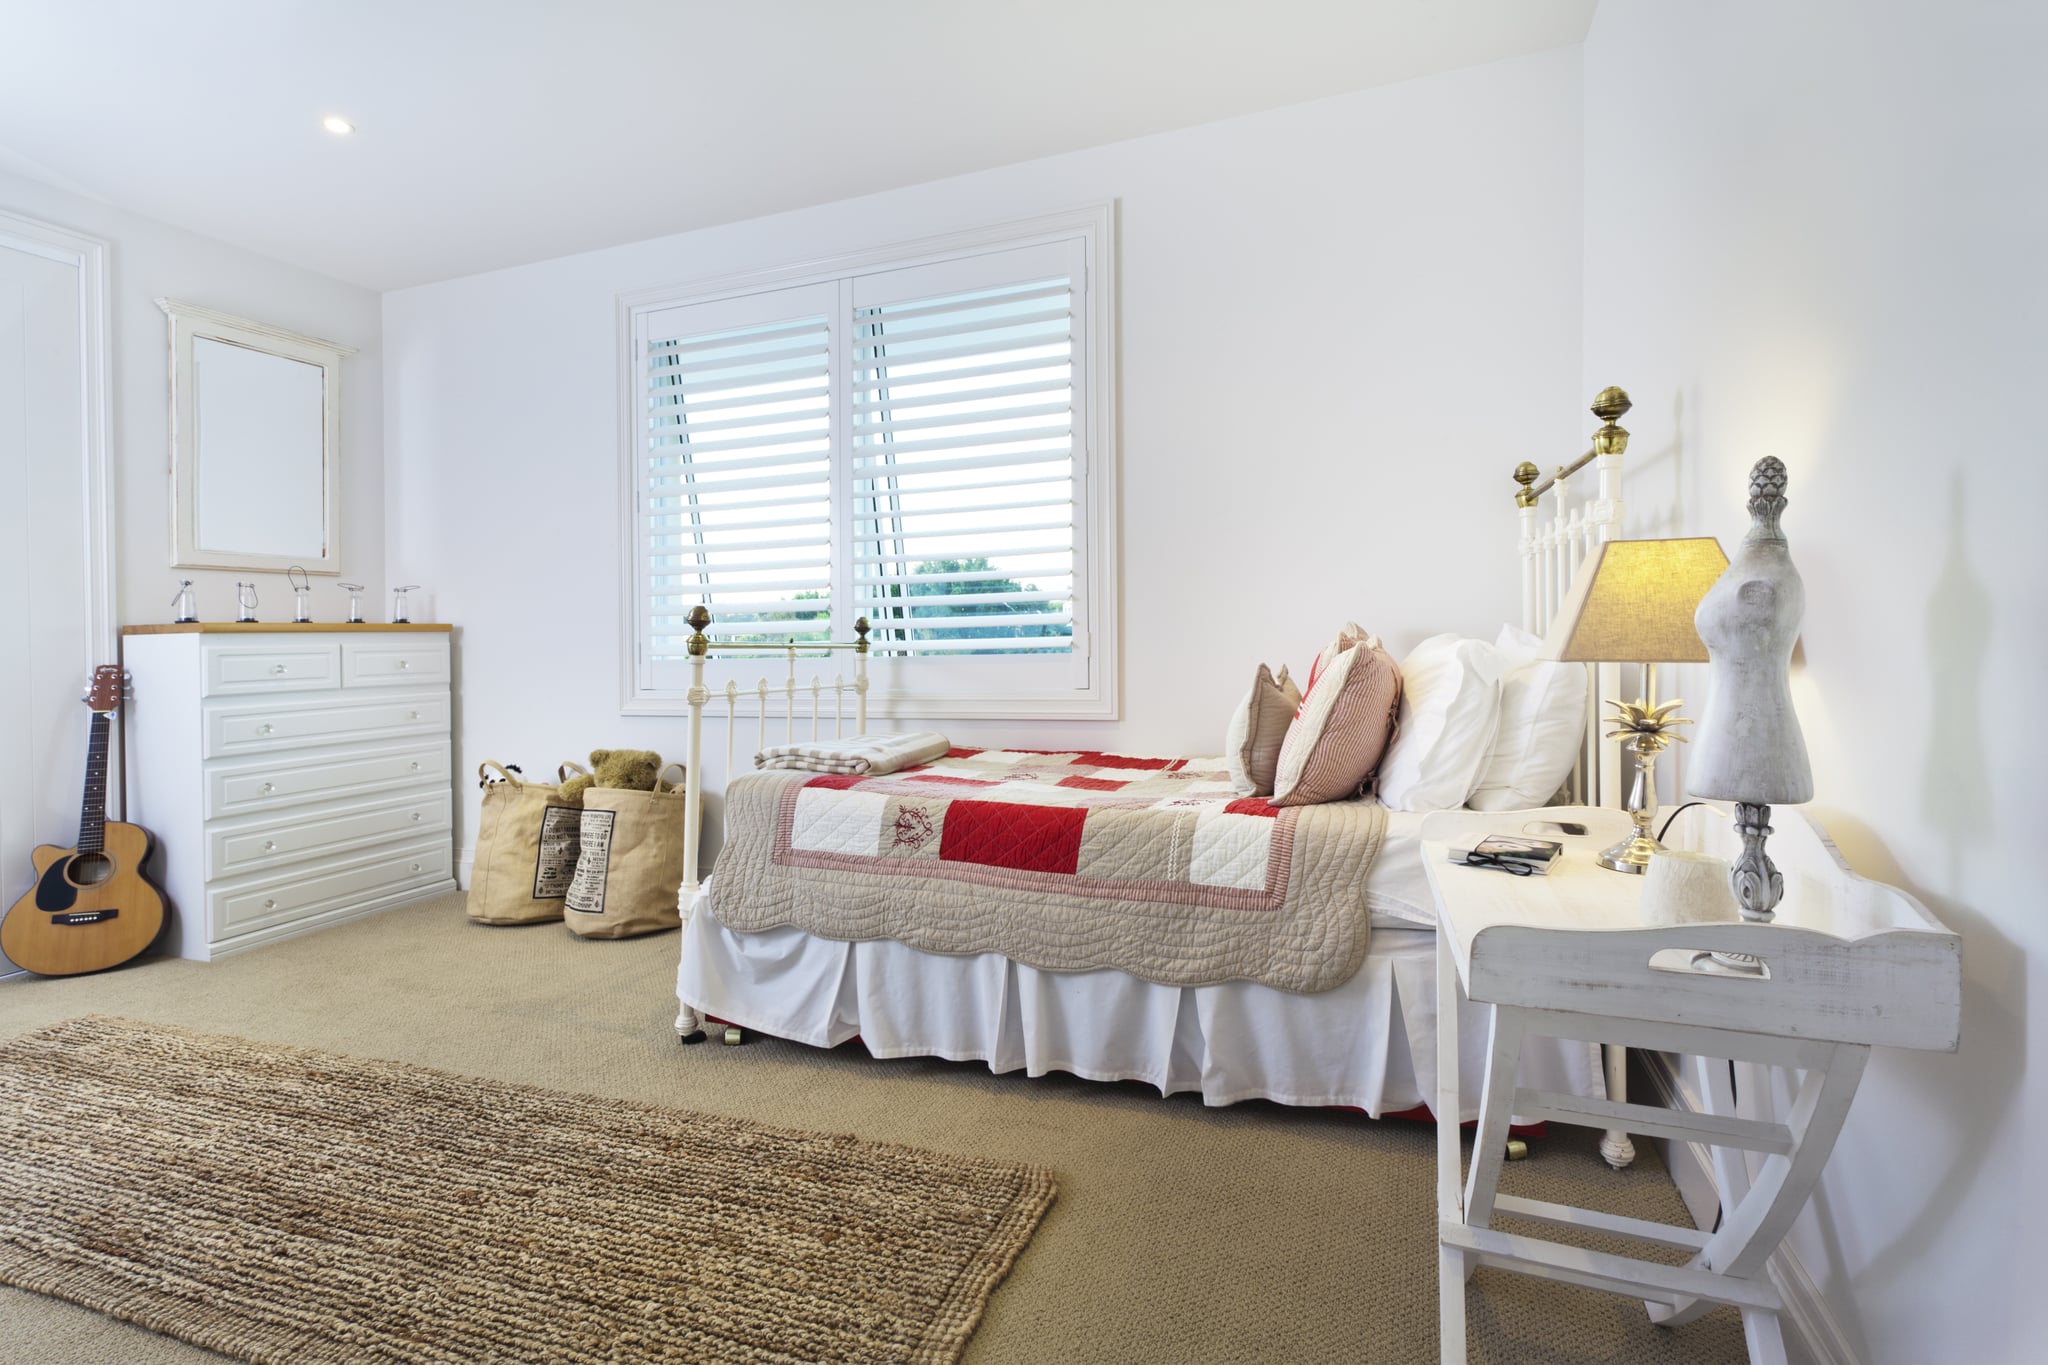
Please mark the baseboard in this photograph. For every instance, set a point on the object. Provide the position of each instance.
(465, 863)
(1814, 1332)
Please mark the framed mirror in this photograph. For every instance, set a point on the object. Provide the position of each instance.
(255, 444)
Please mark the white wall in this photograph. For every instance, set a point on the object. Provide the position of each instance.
(149, 260)
(1398, 270)
(1816, 231)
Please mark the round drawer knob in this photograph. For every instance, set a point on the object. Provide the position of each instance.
(414, 765)
(412, 715)
(267, 788)
(263, 729)
(270, 905)
(405, 663)
(270, 845)
(417, 816)
(277, 668)
(415, 867)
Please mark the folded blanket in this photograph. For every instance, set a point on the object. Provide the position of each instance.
(868, 756)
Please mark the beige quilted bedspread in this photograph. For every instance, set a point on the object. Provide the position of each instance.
(1063, 861)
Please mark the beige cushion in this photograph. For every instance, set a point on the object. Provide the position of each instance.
(1335, 744)
(1251, 745)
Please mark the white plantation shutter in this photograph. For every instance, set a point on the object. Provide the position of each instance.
(736, 491)
(963, 470)
(910, 443)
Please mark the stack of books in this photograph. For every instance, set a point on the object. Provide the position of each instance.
(1511, 853)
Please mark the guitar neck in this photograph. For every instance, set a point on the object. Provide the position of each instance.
(92, 808)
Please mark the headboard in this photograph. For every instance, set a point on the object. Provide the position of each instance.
(1553, 545)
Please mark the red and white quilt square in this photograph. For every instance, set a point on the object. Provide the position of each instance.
(1002, 834)
(1231, 850)
(828, 820)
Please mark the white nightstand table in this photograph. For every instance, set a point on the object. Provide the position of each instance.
(1848, 964)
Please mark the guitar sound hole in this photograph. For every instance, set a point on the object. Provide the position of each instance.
(90, 869)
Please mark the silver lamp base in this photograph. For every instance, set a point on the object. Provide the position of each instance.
(1633, 854)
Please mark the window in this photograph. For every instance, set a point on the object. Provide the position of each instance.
(920, 437)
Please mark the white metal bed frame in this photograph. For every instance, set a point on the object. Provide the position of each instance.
(1550, 553)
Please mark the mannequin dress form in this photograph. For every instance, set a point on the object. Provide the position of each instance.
(1749, 748)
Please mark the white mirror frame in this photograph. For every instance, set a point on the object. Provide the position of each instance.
(189, 322)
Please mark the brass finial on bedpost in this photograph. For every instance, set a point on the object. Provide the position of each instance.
(1526, 475)
(860, 631)
(698, 618)
(1609, 405)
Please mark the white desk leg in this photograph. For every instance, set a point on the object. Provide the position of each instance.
(1614, 1143)
(1766, 1341)
(1450, 1261)
(1496, 1102)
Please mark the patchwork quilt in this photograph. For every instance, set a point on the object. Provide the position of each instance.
(1063, 861)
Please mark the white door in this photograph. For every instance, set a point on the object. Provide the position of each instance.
(46, 622)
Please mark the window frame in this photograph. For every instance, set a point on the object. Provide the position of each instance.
(1097, 588)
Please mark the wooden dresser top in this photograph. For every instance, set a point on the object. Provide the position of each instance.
(275, 627)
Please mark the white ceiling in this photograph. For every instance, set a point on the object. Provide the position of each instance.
(495, 132)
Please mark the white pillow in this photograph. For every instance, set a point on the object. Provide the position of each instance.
(1450, 708)
(1542, 721)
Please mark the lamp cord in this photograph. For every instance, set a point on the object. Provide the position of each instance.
(1674, 815)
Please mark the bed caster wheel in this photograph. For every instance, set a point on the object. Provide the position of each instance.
(1517, 1149)
(693, 1036)
(733, 1036)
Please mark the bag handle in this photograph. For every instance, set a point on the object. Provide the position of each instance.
(562, 770)
(503, 775)
(673, 787)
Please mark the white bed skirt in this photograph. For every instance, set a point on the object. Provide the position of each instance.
(1368, 1044)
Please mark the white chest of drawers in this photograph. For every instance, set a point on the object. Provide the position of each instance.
(293, 776)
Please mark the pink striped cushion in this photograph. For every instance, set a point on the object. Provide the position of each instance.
(1348, 637)
(1347, 718)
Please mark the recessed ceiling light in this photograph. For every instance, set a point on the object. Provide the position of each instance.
(334, 124)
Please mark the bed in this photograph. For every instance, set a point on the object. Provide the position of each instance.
(1366, 1043)
(1335, 1010)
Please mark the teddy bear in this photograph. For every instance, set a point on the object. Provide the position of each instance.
(625, 769)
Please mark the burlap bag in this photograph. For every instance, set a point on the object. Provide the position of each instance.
(526, 845)
(629, 866)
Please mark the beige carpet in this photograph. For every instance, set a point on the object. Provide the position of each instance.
(1181, 1234)
(286, 1205)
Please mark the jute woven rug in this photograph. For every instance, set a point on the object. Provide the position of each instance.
(282, 1204)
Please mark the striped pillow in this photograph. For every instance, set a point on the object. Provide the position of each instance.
(1347, 638)
(1346, 721)
(1251, 745)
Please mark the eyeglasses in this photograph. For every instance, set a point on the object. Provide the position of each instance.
(1514, 865)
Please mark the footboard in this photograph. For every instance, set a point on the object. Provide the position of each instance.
(700, 646)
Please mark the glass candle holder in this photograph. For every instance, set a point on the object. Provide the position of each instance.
(185, 606)
(401, 612)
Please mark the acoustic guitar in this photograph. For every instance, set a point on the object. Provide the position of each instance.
(91, 907)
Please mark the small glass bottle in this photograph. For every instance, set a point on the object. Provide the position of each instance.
(185, 606)
(400, 612)
(302, 590)
(245, 601)
(355, 602)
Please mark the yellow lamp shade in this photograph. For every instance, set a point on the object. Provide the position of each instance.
(1632, 602)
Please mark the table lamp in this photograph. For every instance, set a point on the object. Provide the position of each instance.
(1632, 602)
